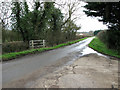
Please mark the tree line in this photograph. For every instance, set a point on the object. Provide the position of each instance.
(44, 21)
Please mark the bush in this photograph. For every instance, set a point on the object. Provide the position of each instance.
(15, 46)
(10, 35)
(111, 38)
(82, 36)
(102, 36)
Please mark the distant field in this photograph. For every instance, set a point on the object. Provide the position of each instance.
(99, 46)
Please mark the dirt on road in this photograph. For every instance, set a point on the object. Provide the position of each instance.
(89, 71)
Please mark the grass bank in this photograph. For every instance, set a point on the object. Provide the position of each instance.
(99, 46)
(9, 56)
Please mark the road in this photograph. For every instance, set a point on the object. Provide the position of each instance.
(89, 71)
(21, 68)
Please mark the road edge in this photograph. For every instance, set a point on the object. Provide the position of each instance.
(92, 45)
(14, 55)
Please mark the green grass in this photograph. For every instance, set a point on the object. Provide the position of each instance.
(14, 55)
(99, 46)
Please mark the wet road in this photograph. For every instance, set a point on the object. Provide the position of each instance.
(18, 68)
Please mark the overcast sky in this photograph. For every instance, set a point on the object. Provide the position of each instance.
(90, 24)
(87, 23)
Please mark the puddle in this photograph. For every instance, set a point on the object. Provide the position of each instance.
(88, 50)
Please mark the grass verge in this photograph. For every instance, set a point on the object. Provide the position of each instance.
(99, 46)
(9, 56)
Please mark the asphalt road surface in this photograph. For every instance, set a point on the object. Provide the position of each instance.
(22, 67)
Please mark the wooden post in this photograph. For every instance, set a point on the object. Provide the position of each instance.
(43, 43)
(32, 44)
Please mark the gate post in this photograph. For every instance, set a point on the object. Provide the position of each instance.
(43, 43)
(32, 44)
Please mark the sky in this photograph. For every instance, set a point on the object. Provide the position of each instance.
(90, 24)
(87, 23)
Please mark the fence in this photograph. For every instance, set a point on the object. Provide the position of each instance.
(36, 43)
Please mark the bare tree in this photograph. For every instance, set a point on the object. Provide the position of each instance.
(5, 12)
(70, 8)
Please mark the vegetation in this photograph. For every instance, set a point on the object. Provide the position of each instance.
(15, 46)
(10, 36)
(45, 21)
(42, 21)
(99, 46)
(96, 32)
(13, 55)
(110, 15)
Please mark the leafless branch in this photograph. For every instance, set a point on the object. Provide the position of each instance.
(70, 9)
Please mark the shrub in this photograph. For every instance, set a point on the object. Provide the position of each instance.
(15, 46)
(102, 36)
(10, 35)
(111, 38)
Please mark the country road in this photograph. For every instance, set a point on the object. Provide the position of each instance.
(23, 71)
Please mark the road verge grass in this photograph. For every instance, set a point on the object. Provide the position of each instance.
(10, 56)
(99, 46)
